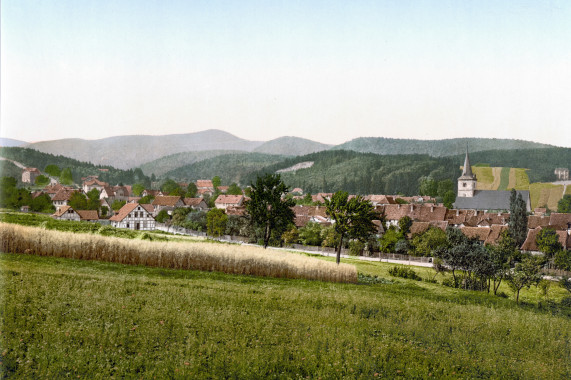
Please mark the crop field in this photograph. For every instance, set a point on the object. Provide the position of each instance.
(504, 179)
(521, 179)
(568, 191)
(65, 318)
(227, 258)
(545, 194)
(485, 176)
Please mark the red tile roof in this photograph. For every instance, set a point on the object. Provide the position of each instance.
(480, 233)
(204, 183)
(88, 214)
(534, 221)
(63, 195)
(62, 210)
(560, 220)
(495, 234)
(229, 199)
(530, 244)
(193, 201)
(166, 200)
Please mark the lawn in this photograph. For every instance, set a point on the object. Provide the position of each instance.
(89, 319)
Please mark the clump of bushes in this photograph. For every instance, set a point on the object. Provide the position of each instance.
(404, 273)
(371, 280)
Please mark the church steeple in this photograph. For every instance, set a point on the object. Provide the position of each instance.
(467, 172)
(467, 181)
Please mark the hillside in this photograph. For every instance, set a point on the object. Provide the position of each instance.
(435, 148)
(362, 173)
(229, 167)
(126, 152)
(4, 142)
(91, 319)
(33, 158)
(291, 146)
(171, 162)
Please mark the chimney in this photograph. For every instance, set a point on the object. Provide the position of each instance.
(431, 208)
(411, 208)
(457, 212)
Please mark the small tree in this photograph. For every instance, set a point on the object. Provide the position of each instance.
(404, 226)
(234, 189)
(518, 218)
(66, 177)
(93, 202)
(161, 217)
(524, 275)
(42, 180)
(501, 256)
(78, 201)
(310, 234)
(53, 170)
(138, 189)
(564, 204)
(191, 190)
(117, 204)
(548, 242)
(216, 220)
(267, 210)
(427, 243)
(352, 218)
(216, 182)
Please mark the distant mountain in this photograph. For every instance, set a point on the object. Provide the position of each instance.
(229, 167)
(126, 152)
(291, 146)
(167, 163)
(434, 148)
(5, 142)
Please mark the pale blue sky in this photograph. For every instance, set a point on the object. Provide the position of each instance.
(324, 70)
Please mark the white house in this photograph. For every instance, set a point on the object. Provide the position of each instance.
(134, 217)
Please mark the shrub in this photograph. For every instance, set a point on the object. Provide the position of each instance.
(404, 273)
(356, 247)
(450, 282)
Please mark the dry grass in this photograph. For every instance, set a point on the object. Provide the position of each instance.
(545, 194)
(233, 259)
(485, 177)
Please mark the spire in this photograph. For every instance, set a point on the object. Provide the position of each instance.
(467, 172)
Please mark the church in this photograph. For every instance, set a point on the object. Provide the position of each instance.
(469, 198)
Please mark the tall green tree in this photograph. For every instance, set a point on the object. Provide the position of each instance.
(564, 204)
(93, 202)
(78, 201)
(267, 210)
(216, 182)
(42, 180)
(548, 242)
(216, 220)
(191, 190)
(138, 189)
(353, 218)
(234, 189)
(53, 170)
(66, 177)
(170, 187)
(518, 218)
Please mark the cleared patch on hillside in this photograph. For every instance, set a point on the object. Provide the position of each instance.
(545, 194)
(301, 165)
(504, 179)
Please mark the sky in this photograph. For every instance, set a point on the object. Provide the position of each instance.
(328, 71)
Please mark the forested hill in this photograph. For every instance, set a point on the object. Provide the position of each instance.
(362, 173)
(34, 158)
(229, 167)
(435, 148)
(540, 162)
(291, 146)
(174, 161)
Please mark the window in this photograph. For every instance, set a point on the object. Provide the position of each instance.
(463, 184)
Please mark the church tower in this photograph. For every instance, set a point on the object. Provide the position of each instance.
(467, 181)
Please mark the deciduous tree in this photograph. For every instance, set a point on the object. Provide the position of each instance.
(268, 211)
(353, 218)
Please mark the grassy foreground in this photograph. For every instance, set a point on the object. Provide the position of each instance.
(89, 319)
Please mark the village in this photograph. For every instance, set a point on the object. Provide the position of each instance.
(478, 214)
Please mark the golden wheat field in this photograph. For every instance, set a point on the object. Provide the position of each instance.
(227, 258)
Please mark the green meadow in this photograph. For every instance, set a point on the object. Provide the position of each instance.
(65, 318)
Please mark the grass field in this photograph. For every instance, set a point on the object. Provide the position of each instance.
(504, 179)
(568, 191)
(545, 194)
(65, 318)
(521, 179)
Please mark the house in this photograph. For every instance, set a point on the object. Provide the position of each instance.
(380, 199)
(52, 190)
(417, 212)
(470, 198)
(90, 183)
(134, 216)
(62, 197)
(223, 189)
(68, 213)
(306, 214)
(297, 191)
(166, 202)
(153, 193)
(560, 220)
(205, 184)
(196, 203)
(530, 244)
(562, 174)
(29, 175)
(224, 201)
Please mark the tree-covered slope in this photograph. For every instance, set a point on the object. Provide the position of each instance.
(229, 167)
(173, 161)
(363, 173)
(33, 158)
(291, 146)
(436, 148)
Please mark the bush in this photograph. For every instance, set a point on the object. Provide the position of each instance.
(404, 273)
(370, 280)
(356, 247)
(449, 281)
